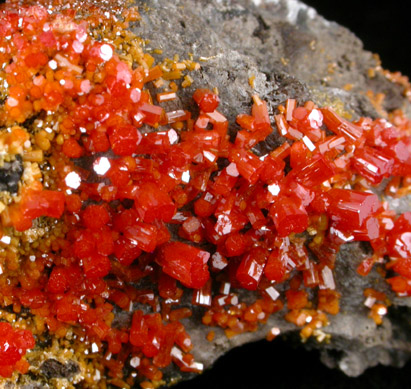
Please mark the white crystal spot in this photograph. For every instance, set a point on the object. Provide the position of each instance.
(172, 136)
(272, 292)
(307, 141)
(102, 166)
(370, 301)
(106, 52)
(232, 170)
(185, 177)
(210, 156)
(135, 362)
(73, 180)
(274, 189)
(382, 311)
(53, 64)
(328, 278)
(94, 348)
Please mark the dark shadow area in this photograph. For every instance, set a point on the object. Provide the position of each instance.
(278, 365)
(382, 26)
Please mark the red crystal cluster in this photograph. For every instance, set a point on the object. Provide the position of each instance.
(13, 346)
(239, 215)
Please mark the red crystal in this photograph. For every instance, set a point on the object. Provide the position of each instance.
(259, 111)
(403, 267)
(401, 152)
(229, 223)
(350, 208)
(225, 181)
(154, 143)
(246, 122)
(275, 268)
(236, 244)
(218, 262)
(374, 165)
(36, 203)
(142, 235)
(251, 268)
(332, 145)
(281, 123)
(314, 173)
(370, 230)
(176, 116)
(296, 299)
(72, 149)
(138, 330)
(399, 238)
(152, 203)
(192, 230)
(13, 346)
(289, 216)
(340, 126)
(248, 164)
(185, 263)
(126, 251)
(273, 170)
(124, 140)
(113, 229)
(202, 296)
(400, 285)
(96, 266)
(95, 217)
(206, 100)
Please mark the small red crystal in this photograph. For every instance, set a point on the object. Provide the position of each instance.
(95, 217)
(340, 126)
(185, 263)
(289, 215)
(13, 346)
(125, 139)
(275, 268)
(351, 208)
(251, 268)
(152, 203)
(142, 235)
(399, 238)
(206, 100)
(374, 165)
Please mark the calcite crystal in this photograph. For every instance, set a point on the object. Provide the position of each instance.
(162, 197)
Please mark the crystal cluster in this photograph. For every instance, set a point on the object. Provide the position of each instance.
(242, 220)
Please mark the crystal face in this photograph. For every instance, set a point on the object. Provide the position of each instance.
(351, 208)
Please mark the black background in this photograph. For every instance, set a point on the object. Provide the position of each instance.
(384, 28)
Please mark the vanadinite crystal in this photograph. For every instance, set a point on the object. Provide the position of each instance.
(130, 192)
(13, 346)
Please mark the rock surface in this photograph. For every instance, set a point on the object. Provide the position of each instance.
(293, 53)
(10, 174)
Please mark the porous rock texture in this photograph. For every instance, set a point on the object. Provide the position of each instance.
(293, 53)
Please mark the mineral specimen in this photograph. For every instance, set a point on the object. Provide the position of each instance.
(148, 209)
